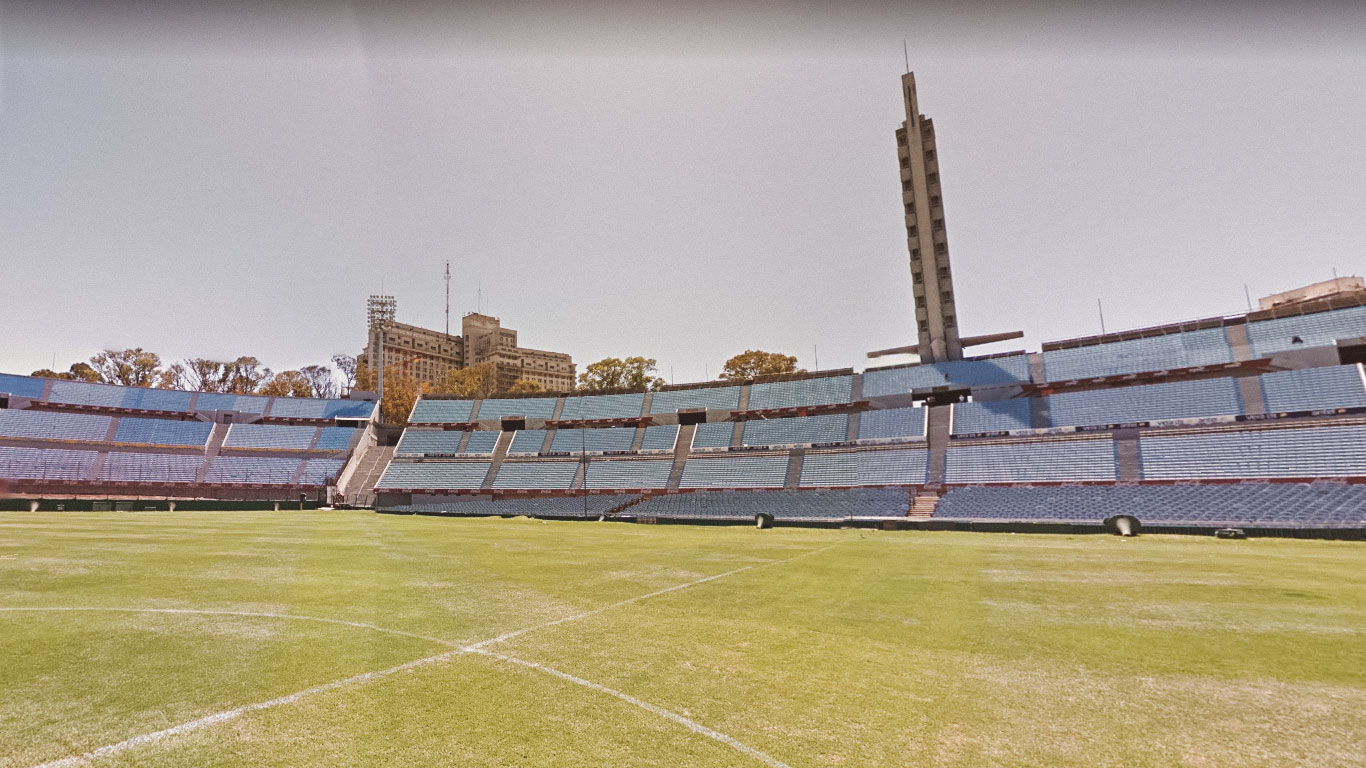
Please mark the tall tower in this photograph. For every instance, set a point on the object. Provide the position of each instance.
(932, 280)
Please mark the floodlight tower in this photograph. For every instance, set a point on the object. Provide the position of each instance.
(379, 311)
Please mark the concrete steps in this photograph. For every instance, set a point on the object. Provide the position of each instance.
(923, 505)
(368, 474)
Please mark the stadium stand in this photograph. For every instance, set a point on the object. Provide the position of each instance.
(142, 431)
(210, 401)
(865, 467)
(964, 373)
(659, 438)
(122, 467)
(275, 437)
(617, 439)
(803, 430)
(1150, 402)
(991, 416)
(735, 472)
(438, 442)
(710, 398)
(527, 441)
(603, 406)
(529, 407)
(817, 505)
(1336, 451)
(713, 435)
(628, 473)
(1341, 386)
(537, 506)
(22, 386)
(46, 425)
(1036, 462)
(1186, 349)
(892, 424)
(801, 392)
(1300, 331)
(442, 411)
(46, 463)
(536, 475)
(435, 476)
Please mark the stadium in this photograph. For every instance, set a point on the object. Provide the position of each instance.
(1137, 548)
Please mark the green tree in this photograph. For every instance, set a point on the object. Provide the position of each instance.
(134, 367)
(287, 384)
(245, 375)
(77, 372)
(401, 390)
(320, 380)
(753, 363)
(476, 381)
(525, 387)
(615, 373)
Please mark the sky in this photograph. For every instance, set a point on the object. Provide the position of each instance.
(681, 181)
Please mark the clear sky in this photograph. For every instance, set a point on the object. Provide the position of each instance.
(681, 181)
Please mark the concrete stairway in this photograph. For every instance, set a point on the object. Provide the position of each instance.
(361, 489)
(938, 433)
(216, 438)
(923, 505)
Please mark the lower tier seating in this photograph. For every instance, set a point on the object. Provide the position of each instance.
(1051, 461)
(1274, 505)
(1334, 451)
(781, 505)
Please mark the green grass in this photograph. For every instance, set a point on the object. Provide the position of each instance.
(867, 649)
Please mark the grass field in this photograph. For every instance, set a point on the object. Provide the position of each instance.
(344, 639)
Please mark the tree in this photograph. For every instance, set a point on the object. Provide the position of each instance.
(347, 365)
(77, 372)
(401, 390)
(476, 381)
(367, 380)
(134, 367)
(320, 380)
(525, 387)
(201, 374)
(753, 363)
(173, 376)
(287, 384)
(245, 375)
(615, 373)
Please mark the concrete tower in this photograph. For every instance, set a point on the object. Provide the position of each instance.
(926, 236)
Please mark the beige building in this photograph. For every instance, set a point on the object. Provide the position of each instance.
(1336, 287)
(429, 355)
(926, 237)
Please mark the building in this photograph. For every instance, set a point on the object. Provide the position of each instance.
(429, 355)
(926, 236)
(1338, 286)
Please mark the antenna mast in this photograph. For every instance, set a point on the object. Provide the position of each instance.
(448, 298)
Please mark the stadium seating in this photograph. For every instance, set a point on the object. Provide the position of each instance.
(735, 472)
(805, 430)
(962, 373)
(1155, 353)
(713, 435)
(45, 463)
(442, 411)
(1279, 505)
(1051, 461)
(44, 425)
(527, 441)
(711, 398)
(1312, 389)
(901, 466)
(626, 473)
(21, 386)
(1335, 451)
(435, 442)
(212, 401)
(133, 429)
(150, 468)
(593, 440)
(538, 506)
(274, 437)
(259, 470)
(817, 505)
(659, 438)
(603, 406)
(991, 416)
(1152, 402)
(892, 423)
(1301, 331)
(321, 471)
(435, 476)
(539, 475)
(335, 439)
(528, 407)
(791, 394)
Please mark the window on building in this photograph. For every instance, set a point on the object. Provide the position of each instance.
(932, 178)
(920, 302)
(913, 230)
(901, 137)
(948, 321)
(935, 202)
(917, 277)
(915, 254)
(940, 249)
(929, 154)
(924, 326)
(938, 225)
(946, 297)
(905, 162)
(906, 185)
(910, 209)
(943, 273)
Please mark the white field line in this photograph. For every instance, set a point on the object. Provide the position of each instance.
(366, 677)
(691, 725)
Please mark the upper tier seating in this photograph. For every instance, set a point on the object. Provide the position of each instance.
(212, 401)
(1052, 461)
(892, 423)
(435, 476)
(527, 441)
(442, 411)
(434, 442)
(625, 473)
(1152, 402)
(308, 408)
(528, 407)
(713, 435)
(1313, 389)
(133, 429)
(804, 430)
(603, 406)
(735, 472)
(270, 436)
(1156, 353)
(790, 394)
(593, 440)
(541, 475)
(109, 396)
(901, 466)
(659, 438)
(45, 463)
(21, 386)
(150, 467)
(335, 439)
(960, 373)
(260, 470)
(44, 425)
(711, 398)
(991, 416)
(1270, 453)
(1302, 331)
(1279, 505)
(781, 505)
